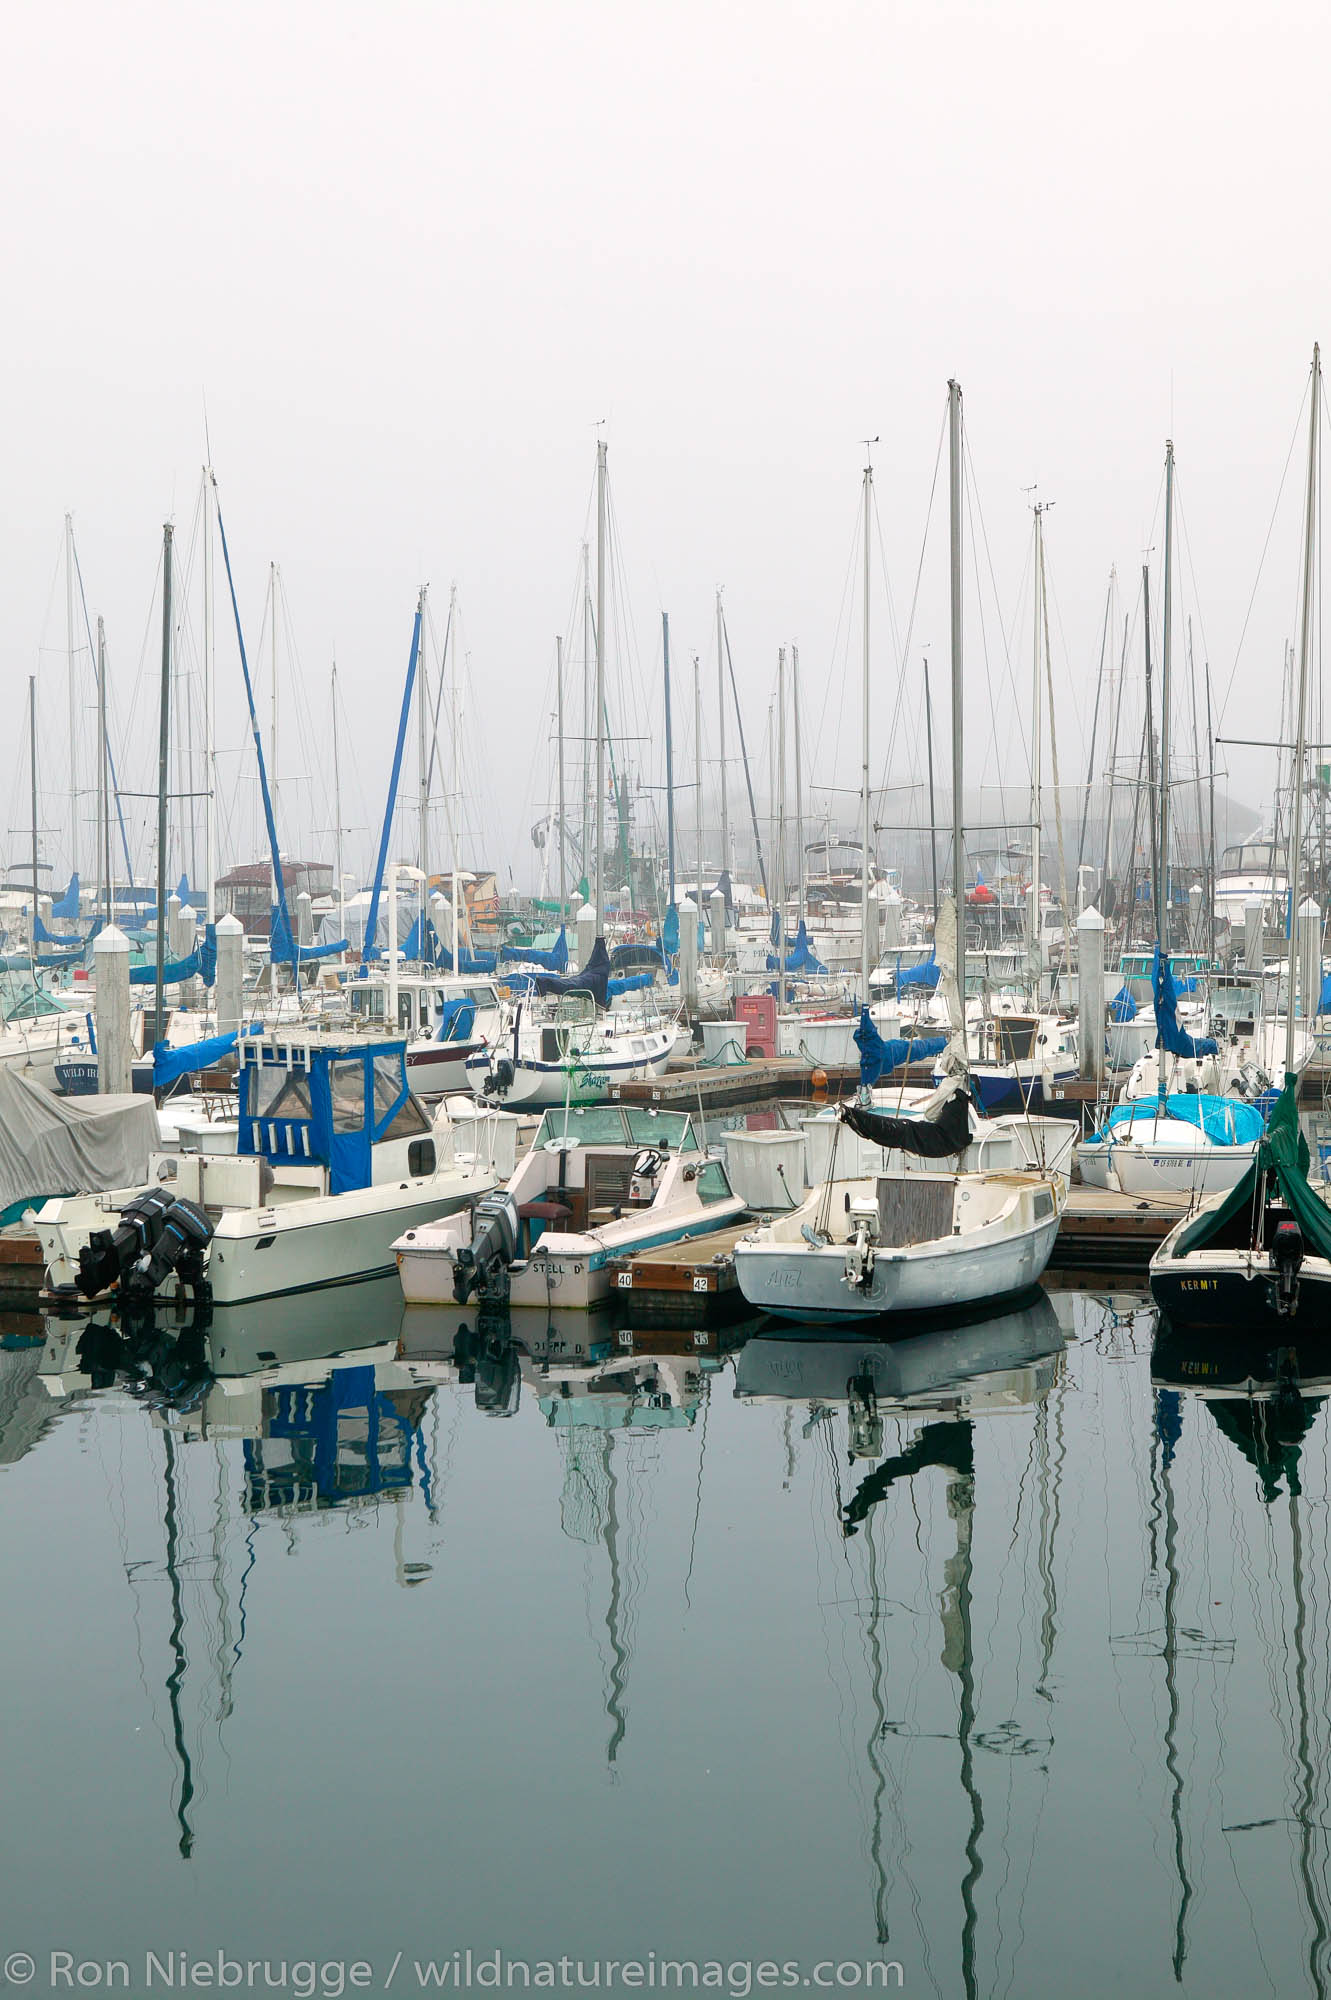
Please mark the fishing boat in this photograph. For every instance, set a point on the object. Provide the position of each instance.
(334, 1157)
(596, 1185)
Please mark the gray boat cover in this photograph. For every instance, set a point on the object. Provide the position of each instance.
(70, 1145)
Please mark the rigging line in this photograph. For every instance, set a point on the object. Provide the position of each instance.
(110, 754)
(1243, 633)
(904, 653)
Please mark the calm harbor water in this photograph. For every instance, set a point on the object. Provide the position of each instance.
(336, 1632)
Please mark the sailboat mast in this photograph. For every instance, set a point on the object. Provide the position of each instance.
(1033, 940)
(954, 591)
(600, 688)
(586, 842)
(721, 738)
(782, 943)
(559, 731)
(163, 763)
(73, 697)
(697, 770)
(337, 813)
(799, 784)
(1300, 740)
(32, 772)
(1166, 664)
(933, 821)
(209, 710)
(864, 752)
(456, 815)
(272, 639)
(103, 787)
(670, 759)
(423, 765)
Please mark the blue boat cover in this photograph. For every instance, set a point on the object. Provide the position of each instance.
(1123, 1007)
(801, 957)
(879, 1055)
(68, 905)
(594, 977)
(169, 1064)
(926, 975)
(1226, 1121)
(1168, 1034)
(554, 960)
(457, 1020)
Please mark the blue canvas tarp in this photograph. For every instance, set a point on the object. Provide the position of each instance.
(1226, 1121)
(1168, 1034)
(880, 1055)
(1123, 1007)
(926, 975)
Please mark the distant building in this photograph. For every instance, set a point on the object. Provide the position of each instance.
(248, 893)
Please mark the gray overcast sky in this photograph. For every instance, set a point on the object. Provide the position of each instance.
(412, 254)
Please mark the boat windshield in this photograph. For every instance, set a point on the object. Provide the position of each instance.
(619, 1125)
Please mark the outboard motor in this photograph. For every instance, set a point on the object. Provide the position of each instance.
(482, 1265)
(158, 1233)
(499, 1080)
(1286, 1262)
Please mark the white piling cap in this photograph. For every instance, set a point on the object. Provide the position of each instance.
(1090, 919)
(230, 926)
(110, 939)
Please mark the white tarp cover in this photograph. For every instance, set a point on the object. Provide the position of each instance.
(70, 1145)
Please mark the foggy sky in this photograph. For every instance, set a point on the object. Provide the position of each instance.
(411, 256)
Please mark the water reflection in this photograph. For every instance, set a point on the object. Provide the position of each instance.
(1006, 1645)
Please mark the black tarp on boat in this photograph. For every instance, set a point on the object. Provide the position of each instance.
(931, 1135)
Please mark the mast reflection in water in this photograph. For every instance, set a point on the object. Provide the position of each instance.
(1001, 1651)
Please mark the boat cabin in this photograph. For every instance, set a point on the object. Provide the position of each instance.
(590, 1166)
(338, 1107)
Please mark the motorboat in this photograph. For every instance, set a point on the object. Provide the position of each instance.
(597, 1184)
(334, 1157)
(1193, 1144)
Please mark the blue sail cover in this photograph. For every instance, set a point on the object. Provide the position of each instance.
(1226, 1121)
(182, 888)
(68, 905)
(594, 977)
(170, 1064)
(670, 932)
(926, 975)
(879, 1055)
(1123, 1007)
(1168, 1034)
(282, 949)
(801, 957)
(553, 960)
(469, 961)
(633, 982)
(371, 949)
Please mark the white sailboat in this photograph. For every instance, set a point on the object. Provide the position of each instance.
(903, 1242)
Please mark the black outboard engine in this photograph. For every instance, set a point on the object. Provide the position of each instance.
(482, 1265)
(1286, 1261)
(158, 1233)
(499, 1080)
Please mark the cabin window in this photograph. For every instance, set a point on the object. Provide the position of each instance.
(346, 1084)
(409, 1119)
(404, 1010)
(280, 1093)
(420, 1158)
(712, 1183)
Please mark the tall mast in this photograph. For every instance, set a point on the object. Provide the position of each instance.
(799, 784)
(73, 697)
(423, 750)
(1166, 661)
(1153, 811)
(954, 585)
(697, 770)
(1300, 743)
(933, 824)
(721, 739)
(272, 758)
(782, 945)
(559, 727)
(1033, 940)
(32, 772)
(103, 786)
(457, 771)
(670, 759)
(586, 842)
(163, 762)
(600, 688)
(337, 813)
(864, 754)
(209, 710)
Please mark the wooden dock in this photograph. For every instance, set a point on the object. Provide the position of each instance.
(681, 1284)
(717, 1086)
(1102, 1230)
(22, 1268)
